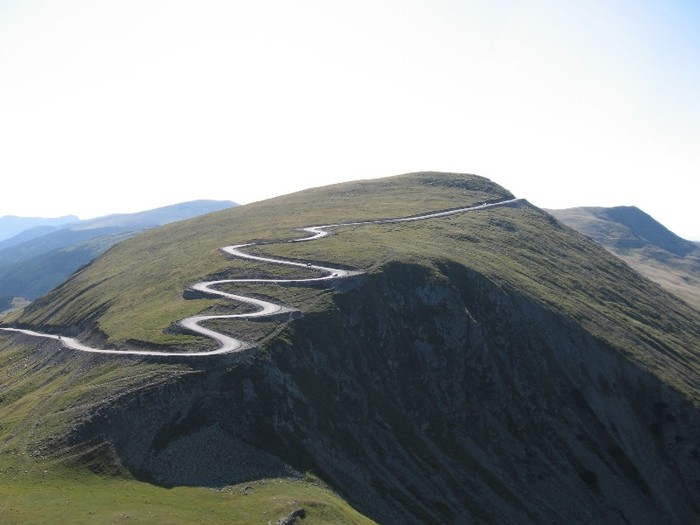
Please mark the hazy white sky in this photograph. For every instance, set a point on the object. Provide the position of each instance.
(115, 106)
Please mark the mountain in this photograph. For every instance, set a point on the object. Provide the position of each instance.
(31, 264)
(155, 217)
(39, 274)
(27, 235)
(11, 225)
(643, 243)
(491, 366)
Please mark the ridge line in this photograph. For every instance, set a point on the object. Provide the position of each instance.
(229, 344)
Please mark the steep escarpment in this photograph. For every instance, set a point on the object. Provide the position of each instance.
(493, 366)
(433, 395)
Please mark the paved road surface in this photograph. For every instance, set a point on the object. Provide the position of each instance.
(227, 343)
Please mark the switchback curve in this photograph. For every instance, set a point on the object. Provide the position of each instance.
(228, 344)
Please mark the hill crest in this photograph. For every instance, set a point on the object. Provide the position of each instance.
(633, 227)
(490, 367)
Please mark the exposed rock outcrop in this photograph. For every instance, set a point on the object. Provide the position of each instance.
(430, 396)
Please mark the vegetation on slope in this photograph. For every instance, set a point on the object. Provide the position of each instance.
(137, 287)
(47, 476)
(506, 309)
(135, 292)
(37, 276)
(91, 499)
(31, 264)
(644, 244)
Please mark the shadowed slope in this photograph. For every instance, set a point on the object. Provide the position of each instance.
(491, 367)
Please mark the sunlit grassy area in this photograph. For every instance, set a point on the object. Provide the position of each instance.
(92, 499)
(134, 292)
(644, 244)
(133, 295)
(45, 392)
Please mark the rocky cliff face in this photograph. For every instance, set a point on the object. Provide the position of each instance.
(429, 395)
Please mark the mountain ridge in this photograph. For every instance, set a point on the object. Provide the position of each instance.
(31, 265)
(11, 225)
(644, 243)
(635, 228)
(489, 367)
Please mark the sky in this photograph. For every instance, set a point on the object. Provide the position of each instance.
(110, 106)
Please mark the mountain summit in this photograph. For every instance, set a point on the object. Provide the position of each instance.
(491, 366)
(625, 228)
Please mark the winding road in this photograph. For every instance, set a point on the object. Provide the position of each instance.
(228, 344)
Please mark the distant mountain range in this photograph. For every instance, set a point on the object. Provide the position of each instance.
(642, 242)
(11, 225)
(36, 259)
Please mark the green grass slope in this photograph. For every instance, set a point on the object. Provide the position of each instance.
(137, 286)
(135, 291)
(644, 244)
(47, 478)
(35, 277)
(569, 303)
(31, 264)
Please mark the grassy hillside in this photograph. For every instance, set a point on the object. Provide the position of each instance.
(644, 244)
(493, 366)
(38, 275)
(137, 287)
(47, 477)
(31, 264)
